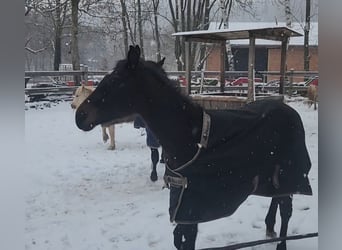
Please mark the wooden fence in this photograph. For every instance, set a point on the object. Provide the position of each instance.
(234, 90)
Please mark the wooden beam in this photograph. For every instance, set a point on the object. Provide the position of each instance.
(284, 45)
(187, 67)
(222, 65)
(251, 66)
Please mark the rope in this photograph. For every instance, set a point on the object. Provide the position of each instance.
(260, 242)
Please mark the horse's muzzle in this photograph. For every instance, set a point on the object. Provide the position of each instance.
(81, 121)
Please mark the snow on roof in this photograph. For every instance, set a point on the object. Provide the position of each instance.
(299, 27)
(217, 35)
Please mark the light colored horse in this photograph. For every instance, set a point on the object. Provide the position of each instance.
(81, 94)
(313, 95)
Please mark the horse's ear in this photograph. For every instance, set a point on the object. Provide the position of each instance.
(133, 56)
(161, 62)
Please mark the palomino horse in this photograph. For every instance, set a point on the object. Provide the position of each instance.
(313, 95)
(81, 94)
(214, 159)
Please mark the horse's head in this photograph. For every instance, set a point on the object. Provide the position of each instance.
(80, 95)
(119, 94)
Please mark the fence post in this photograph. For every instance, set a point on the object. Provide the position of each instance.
(251, 70)
(85, 74)
(291, 82)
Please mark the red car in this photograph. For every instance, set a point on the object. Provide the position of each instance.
(243, 81)
(312, 81)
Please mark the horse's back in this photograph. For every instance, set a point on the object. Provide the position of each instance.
(257, 137)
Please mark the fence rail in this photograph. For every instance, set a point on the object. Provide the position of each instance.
(84, 73)
(234, 90)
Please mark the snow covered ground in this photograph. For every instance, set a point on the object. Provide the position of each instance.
(82, 196)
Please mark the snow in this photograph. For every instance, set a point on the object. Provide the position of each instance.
(82, 196)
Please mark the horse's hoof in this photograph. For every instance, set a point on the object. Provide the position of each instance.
(111, 148)
(105, 138)
(281, 246)
(154, 176)
(271, 234)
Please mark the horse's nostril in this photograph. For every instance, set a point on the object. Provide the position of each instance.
(81, 116)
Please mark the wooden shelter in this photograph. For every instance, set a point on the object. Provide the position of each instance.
(220, 36)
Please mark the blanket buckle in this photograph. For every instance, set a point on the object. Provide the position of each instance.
(175, 181)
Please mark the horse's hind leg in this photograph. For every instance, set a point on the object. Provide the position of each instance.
(104, 134)
(285, 207)
(162, 160)
(111, 130)
(184, 236)
(155, 159)
(271, 218)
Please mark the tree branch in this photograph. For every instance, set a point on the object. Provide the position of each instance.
(34, 51)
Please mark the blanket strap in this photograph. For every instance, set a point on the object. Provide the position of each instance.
(180, 180)
(203, 143)
(174, 179)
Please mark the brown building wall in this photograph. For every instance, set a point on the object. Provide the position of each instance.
(295, 60)
(213, 60)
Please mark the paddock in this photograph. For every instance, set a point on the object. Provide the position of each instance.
(80, 196)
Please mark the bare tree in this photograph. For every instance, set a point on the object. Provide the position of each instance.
(156, 27)
(75, 56)
(140, 28)
(188, 15)
(40, 25)
(289, 14)
(124, 25)
(306, 36)
(58, 21)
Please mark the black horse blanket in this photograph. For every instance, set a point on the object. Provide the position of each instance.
(239, 147)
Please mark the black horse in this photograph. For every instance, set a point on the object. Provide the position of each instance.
(214, 159)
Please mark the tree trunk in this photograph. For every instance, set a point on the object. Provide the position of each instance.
(306, 36)
(175, 22)
(156, 27)
(58, 32)
(59, 20)
(124, 25)
(203, 48)
(58, 49)
(141, 35)
(75, 57)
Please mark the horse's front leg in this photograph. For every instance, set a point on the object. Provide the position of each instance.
(184, 236)
(111, 130)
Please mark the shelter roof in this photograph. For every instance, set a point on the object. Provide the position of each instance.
(269, 33)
